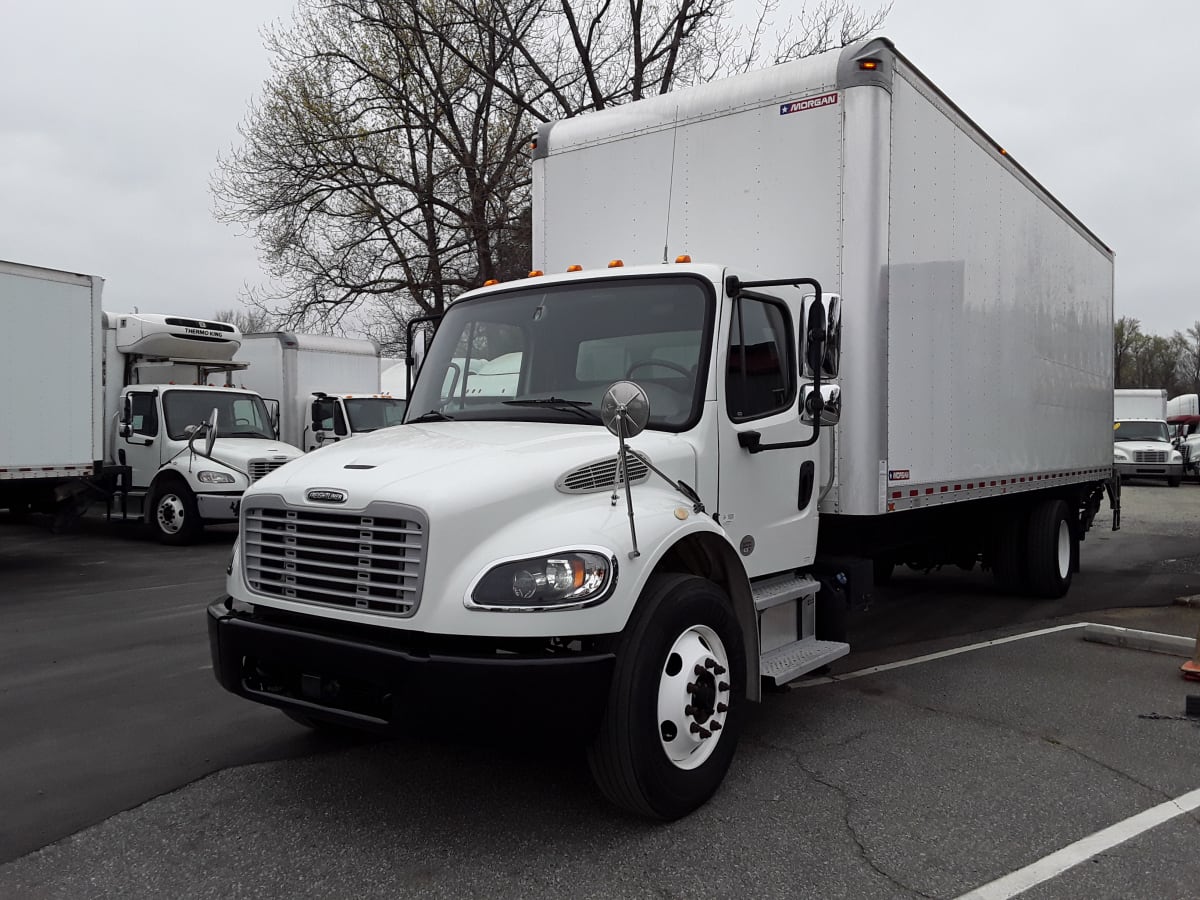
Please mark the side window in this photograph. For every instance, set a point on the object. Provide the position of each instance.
(145, 414)
(760, 370)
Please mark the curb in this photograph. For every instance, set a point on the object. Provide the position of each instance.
(1132, 639)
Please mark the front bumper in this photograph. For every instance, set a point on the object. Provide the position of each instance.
(218, 507)
(1149, 470)
(380, 680)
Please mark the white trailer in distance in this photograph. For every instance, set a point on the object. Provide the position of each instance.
(725, 265)
(110, 407)
(1183, 418)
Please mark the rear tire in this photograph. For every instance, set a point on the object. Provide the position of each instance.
(680, 669)
(1175, 482)
(1009, 565)
(173, 515)
(1052, 549)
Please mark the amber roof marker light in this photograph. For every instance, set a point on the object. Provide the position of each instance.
(575, 268)
(868, 65)
(616, 264)
(683, 258)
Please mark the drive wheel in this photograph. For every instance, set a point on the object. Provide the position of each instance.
(1009, 565)
(173, 516)
(676, 701)
(1052, 549)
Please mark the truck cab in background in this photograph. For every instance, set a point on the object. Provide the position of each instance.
(1142, 445)
(327, 387)
(161, 403)
(1183, 419)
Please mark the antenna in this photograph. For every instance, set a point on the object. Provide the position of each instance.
(671, 185)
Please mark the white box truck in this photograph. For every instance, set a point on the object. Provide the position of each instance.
(328, 388)
(1142, 445)
(118, 412)
(731, 262)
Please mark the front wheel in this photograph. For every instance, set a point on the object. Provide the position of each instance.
(675, 705)
(1175, 482)
(173, 515)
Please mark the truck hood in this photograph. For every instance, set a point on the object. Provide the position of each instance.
(237, 452)
(1130, 446)
(465, 465)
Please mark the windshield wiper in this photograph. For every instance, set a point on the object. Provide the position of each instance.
(432, 416)
(576, 406)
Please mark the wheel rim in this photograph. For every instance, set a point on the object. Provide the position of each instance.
(170, 513)
(693, 697)
(1064, 549)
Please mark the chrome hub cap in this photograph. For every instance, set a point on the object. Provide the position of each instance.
(170, 514)
(693, 697)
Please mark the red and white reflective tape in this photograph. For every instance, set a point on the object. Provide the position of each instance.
(10, 473)
(937, 493)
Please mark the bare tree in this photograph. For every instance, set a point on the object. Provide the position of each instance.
(1187, 344)
(1127, 332)
(247, 320)
(386, 159)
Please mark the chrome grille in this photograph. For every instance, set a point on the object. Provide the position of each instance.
(1150, 456)
(601, 475)
(359, 560)
(265, 465)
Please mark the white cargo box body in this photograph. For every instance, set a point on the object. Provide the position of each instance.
(1139, 403)
(977, 311)
(290, 367)
(50, 365)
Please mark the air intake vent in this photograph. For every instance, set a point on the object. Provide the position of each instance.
(601, 475)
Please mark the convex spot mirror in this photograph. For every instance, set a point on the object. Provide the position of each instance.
(827, 313)
(831, 404)
(625, 408)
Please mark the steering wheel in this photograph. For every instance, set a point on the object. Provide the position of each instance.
(685, 372)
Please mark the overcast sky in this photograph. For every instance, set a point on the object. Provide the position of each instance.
(112, 113)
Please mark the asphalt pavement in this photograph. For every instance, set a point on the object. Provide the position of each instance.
(108, 704)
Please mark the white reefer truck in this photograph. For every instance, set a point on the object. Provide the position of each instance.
(104, 406)
(1142, 446)
(327, 387)
(890, 345)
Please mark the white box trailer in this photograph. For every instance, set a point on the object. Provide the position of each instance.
(1140, 403)
(852, 332)
(51, 362)
(327, 387)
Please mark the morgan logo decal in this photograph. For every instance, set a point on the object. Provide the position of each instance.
(795, 106)
(898, 475)
(324, 495)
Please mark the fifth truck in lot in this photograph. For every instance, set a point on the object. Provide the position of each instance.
(1142, 446)
(796, 327)
(327, 387)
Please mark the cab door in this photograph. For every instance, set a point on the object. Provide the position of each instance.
(141, 447)
(767, 501)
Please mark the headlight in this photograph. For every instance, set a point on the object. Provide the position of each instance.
(570, 578)
(1176, 456)
(209, 477)
(1120, 455)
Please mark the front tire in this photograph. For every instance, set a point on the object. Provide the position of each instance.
(1175, 482)
(174, 517)
(675, 705)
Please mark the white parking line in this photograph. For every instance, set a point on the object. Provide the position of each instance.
(1082, 850)
(929, 657)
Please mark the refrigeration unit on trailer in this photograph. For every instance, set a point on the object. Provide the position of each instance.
(628, 492)
(328, 388)
(132, 390)
(1142, 443)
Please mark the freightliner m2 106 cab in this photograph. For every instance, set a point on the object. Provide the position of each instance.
(1142, 445)
(796, 328)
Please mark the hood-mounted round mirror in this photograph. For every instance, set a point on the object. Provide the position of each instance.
(625, 401)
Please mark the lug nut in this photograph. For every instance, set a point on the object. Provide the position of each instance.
(721, 707)
(723, 686)
(710, 663)
(689, 709)
(703, 732)
(718, 670)
(715, 726)
(699, 670)
(691, 688)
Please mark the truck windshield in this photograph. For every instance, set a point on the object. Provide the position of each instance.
(549, 353)
(1140, 431)
(238, 414)
(372, 413)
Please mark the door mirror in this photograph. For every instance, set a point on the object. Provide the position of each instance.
(211, 437)
(323, 410)
(830, 405)
(125, 420)
(830, 357)
(814, 337)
